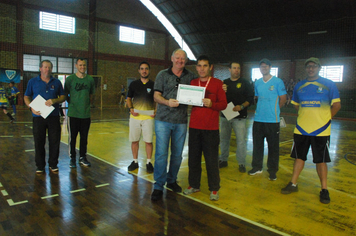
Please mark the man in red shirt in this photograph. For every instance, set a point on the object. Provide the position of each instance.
(204, 130)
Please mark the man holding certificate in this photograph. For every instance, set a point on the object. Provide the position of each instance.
(204, 130)
(141, 104)
(51, 91)
(170, 123)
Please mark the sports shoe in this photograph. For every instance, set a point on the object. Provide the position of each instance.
(190, 190)
(133, 166)
(254, 171)
(175, 187)
(149, 167)
(222, 164)
(242, 168)
(214, 195)
(83, 161)
(39, 170)
(156, 195)
(72, 163)
(289, 188)
(272, 176)
(13, 114)
(54, 169)
(324, 196)
(12, 121)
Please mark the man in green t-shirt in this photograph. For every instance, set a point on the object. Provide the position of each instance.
(79, 89)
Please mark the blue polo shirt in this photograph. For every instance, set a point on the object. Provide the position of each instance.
(50, 90)
(268, 94)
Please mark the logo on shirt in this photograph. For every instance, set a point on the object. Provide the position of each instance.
(149, 90)
(238, 85)
(52, 87)
(271, 88)
(320, 90)
(310, 103)
(79, 86)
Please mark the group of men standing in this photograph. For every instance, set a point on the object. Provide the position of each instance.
(316, 99)
(78, 89)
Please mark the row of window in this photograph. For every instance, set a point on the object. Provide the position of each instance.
(66, 24)
(334, 73)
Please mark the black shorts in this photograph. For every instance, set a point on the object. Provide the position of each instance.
(319, 145)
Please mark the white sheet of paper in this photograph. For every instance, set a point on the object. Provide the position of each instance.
(147, 113)
(282, 122)
(38, 104)
(190, 95)
(229, 113)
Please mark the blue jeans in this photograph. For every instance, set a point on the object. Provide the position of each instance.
(239, 127)
(166, 132)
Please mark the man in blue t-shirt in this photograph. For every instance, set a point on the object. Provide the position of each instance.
(271, 94)
(51, 90)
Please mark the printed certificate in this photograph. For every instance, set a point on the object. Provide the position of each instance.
(190, 95)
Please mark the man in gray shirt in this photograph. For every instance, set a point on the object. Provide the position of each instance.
(170, 123)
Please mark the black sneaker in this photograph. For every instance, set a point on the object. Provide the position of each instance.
(289, 188)
(39, 170)
(83, 161)
(149, 168)
(175, 187)
(242, 168)
(222, 164)
(324, 196)
(272, 176)
(133, 166)
(156, 195)
(72, 163)
(254, 171)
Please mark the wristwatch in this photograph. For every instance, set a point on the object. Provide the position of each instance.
(242, 107)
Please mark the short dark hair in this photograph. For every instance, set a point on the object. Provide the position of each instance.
(79, 59)
(144, 62)
(236, 62)
(204, 58)
(12, 82)
(48, 61)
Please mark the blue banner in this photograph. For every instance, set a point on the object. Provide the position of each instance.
(8, 75)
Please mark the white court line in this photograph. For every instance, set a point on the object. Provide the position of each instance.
(0, 185)
(6, 136)
(102, 185)
(50, 196)
(4, 193)
(77, 190)
(288, 141)
(12, 203)
(30, 150)
(26, 136)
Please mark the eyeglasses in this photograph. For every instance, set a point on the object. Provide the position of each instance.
(178, 82)
(311, 66)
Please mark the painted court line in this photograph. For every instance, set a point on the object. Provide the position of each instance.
(78, 190)
(4, 193)
(50, 196)
(12, 203)
(6, 136)
(0, 185)
(30, 150)
(101, 185)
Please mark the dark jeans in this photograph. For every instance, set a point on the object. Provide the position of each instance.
(207, 142)
(40, 126)
(81, 126)
(270, 131)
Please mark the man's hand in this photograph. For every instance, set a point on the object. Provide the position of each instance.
(207, 102)
(224, 87)
(173, 102)
(35, 112)
(49, 102)
(237, 108)
(132, 111)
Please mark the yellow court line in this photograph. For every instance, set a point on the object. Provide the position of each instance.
(77, 190)
(12, 203)
(50, 196)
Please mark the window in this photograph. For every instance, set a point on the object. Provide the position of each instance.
(256, 73)
(65, 65)
(334, 73)
(31, 62)
(59, 23)
(53, 60)
(132, 35)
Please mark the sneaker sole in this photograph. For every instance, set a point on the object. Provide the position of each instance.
(84, 164)
(188, 193)
(257, 172)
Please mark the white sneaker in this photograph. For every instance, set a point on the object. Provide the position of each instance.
(190, 190)
(214, 195)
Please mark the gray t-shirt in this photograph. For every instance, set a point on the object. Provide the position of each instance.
(167, 83)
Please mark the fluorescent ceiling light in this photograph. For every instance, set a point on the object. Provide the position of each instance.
(253, 39)
(318, 32)
(166, 23)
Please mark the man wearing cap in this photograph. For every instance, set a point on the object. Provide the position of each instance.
(271, 94)
(317, 100)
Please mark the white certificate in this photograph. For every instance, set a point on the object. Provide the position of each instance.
(147, 112)
(229, 113)
(38, 104)
(191, 95)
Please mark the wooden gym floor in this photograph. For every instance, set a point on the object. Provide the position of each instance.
(107, 200)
